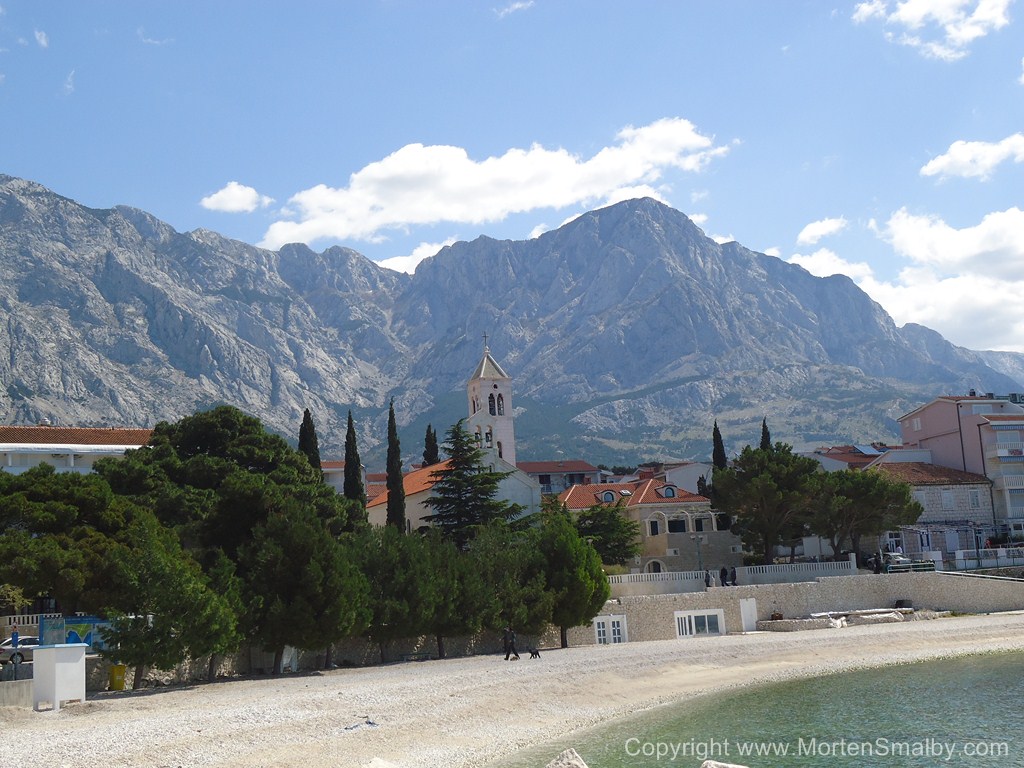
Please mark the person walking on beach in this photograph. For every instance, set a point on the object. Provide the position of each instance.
(723, 576)
(510, 644)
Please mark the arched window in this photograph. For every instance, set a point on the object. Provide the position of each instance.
(608, 496)
(500, 456)
(490, 405)
(654, 567)
(670, 492)
(501, 405)
(488, 437)
(476, 435)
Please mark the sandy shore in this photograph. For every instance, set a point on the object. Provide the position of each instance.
(457, 712)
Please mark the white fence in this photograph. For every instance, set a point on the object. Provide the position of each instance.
(999, 557)
(673, 582)
(27, 623)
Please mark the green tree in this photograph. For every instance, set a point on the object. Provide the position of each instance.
(431, 453)
(718, 457)
(766, 492)
(513, 568)
(302, 587)
(353, 488)
(465, 602)
(850, 504)
(163, 609)
(573, 576)
(308, 443)
(611, 532)
(766, 436)
(395, 482)
(464, 490)
(403, 592)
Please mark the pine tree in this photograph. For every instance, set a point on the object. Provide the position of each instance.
(396, 490)
(353, 488)
(766, 436)
(431, 454)
(718, 457)
(464, 492)
(308, 443)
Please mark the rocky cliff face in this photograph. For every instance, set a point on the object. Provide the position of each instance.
(627, 332)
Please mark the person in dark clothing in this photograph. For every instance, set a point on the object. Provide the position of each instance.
(732, 576)
(723, 576)
(510, 644)
(707, 579)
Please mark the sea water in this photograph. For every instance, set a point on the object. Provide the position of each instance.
(966, 711)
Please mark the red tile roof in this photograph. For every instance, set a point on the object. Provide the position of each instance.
(919, 473)
(332, 464)
(75, 435)
(556, 467)
(1003, 416)
(414, 482)
(636, 493)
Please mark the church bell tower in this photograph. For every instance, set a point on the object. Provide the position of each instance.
(490, 408)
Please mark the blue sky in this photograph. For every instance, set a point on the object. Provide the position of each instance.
(880, 139)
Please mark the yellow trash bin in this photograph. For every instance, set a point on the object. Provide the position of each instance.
(117, 677)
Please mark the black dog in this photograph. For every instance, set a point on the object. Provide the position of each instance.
(534, 653)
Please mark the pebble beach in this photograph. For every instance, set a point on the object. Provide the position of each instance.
(457, 712)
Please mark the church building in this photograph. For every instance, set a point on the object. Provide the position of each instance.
(490, 420)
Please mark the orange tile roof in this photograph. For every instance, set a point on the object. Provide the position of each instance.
(637, 493)
(74, 435)
(414, 482)
(919, 473)
(1003, 416)
(332, 464)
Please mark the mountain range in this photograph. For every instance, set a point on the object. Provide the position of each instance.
(627, 332)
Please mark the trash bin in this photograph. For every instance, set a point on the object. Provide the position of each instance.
(116, 677)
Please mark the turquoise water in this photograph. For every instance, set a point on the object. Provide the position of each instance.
(956, 712)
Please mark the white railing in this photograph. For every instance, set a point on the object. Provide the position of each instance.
(1013, 481)
(822, 567)
(26, 619)
(648, 578)
(967, 559)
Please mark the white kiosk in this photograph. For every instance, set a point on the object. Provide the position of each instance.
(58, 674)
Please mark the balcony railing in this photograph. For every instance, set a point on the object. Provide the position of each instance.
(1013, 481)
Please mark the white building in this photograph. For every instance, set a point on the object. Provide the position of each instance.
(68, 449)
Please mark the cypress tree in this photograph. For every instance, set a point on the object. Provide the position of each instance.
(308, 443)
(718, 457)
(396, 490)
(431, 455)
(353, 488)
(766, 436)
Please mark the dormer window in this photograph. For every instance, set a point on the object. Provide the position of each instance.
(608, 496)
(668, 492)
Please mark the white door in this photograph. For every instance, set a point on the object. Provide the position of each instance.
(748, 613)
(952, 540)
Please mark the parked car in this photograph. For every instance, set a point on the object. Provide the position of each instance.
(26, 644)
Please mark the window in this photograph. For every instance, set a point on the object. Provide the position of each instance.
(609, 496)
(500, 456)
(696, 623)
(981, 408)
(488, 437)
(491, 407)
(974, 496)
(948, 502)
(698, 524)
(677, 525)
(610, 630)
(544, 479)
(501, 405)
(653, 527)
(915, 424)
(669, 492)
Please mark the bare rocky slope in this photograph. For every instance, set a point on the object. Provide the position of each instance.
(627, 332)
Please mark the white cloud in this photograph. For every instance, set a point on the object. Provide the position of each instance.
(537, 231)
(700, 219)
(824, 262)
(816, 230)
(773, 251)
(964, 283)
(975, 159)
(69, 83)
(409, 263)
(521, 5)
(420, 184)
(150, 40)
(41, 39)
(235, 198)
(722, 239)
(940, 29)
